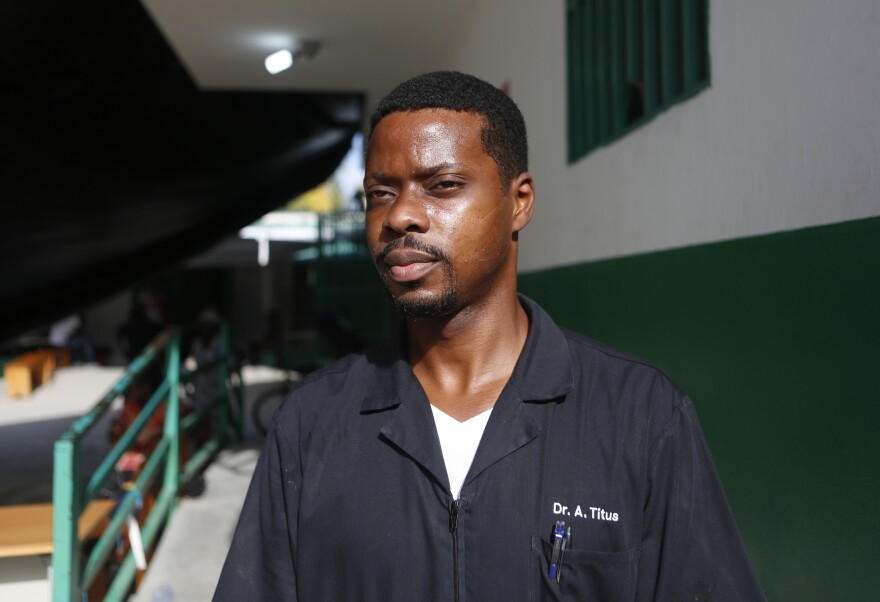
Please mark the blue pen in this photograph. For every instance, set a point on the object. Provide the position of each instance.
(558, 538)
(565, 541)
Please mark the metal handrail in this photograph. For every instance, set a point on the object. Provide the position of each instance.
(72, 572)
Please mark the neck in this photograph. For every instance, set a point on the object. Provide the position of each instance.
(464, 360)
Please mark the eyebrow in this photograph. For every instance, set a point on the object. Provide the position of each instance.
(426, 173)
(440, 167)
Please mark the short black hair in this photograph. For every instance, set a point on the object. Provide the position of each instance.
(504, 129)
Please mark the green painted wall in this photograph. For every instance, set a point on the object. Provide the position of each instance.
(777, 340)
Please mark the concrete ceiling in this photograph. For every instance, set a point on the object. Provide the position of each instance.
(366, 46)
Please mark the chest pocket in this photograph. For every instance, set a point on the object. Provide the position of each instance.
(585, 575)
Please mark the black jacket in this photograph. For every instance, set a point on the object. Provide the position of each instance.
(350, 499)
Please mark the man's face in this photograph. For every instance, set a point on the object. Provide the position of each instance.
(439, 223)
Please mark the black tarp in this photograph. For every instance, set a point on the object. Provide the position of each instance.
(114, 165)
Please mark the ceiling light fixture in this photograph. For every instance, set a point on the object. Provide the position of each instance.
(279, 61)
(284, 59)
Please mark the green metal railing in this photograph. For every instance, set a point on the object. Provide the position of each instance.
(73, 572)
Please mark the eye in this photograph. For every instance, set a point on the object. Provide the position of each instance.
(376, 196)
(447, 184)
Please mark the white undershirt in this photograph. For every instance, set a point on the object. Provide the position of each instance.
(459, 441)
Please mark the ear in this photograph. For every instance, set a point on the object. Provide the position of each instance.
(523, 191)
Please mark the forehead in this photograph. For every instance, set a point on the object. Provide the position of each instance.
(428, 137)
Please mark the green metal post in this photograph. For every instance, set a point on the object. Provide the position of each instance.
(239, 390)
(668, 57)
(690, 44)
(603, 77)
(651, 56)
(704, 67)
(635, 83)
(223, 377)
(591, 89)
(67, 506)
(172, 421)
(576, 77)
(617, 66)
(320, 269)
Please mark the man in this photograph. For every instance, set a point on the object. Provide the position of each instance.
(487, 454)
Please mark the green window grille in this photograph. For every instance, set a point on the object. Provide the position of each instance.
(628, 60)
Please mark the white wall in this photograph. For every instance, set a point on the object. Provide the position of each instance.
(788, 136)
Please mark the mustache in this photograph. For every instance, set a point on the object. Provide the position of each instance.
(411, 242)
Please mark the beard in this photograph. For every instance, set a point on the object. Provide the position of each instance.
(435, 306)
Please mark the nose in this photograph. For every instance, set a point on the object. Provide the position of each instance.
(407, 213)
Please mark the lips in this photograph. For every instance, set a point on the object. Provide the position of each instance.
(408, 265)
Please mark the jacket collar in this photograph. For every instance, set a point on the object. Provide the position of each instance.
(543, 371)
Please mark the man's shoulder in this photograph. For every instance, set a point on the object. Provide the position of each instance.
(625, 380)
(339, 384)
(585, 348)
(599, 371)
(353, 368)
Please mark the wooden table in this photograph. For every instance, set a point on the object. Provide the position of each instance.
(26, 530)
(26, 372)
